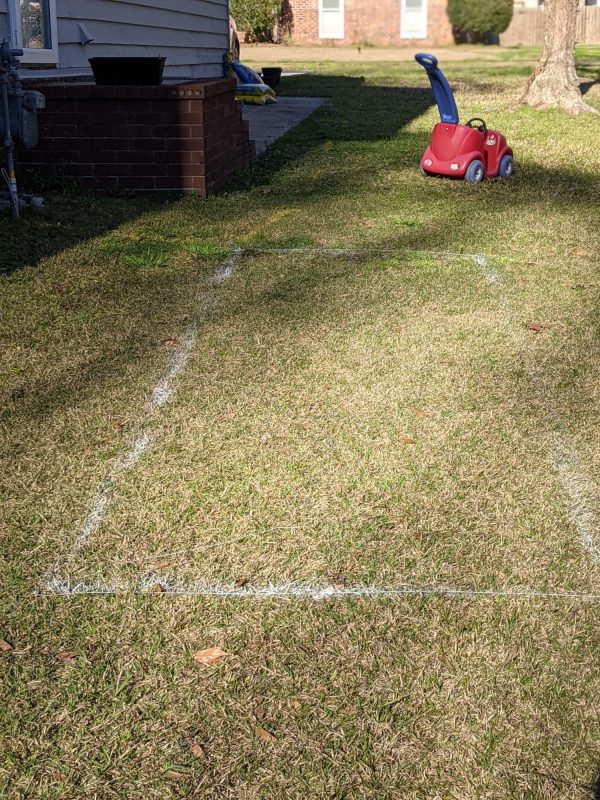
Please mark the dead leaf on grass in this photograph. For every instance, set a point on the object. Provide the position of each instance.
(5, 646)
(156, 589)
(174, 775)
(264, 735)
(67, 657)
(197, 750)
(169, 342)
(536, 327)
(212, 656)
(419, 412)
(241, 582)
(58, 776)
(582, 254)
(407, 440)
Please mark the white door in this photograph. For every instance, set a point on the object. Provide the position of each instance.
(331, 19)
(413, 19)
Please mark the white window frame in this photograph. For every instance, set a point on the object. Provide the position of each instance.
(34, 55)
(403, 33)
(343, 16)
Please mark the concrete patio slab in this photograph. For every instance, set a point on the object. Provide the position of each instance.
(268, 123)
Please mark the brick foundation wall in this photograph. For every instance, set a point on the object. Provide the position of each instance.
(184, 137)
(368, 23)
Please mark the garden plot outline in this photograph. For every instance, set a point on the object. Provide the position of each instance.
(577, 488)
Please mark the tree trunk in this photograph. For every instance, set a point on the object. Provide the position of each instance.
(555, 84)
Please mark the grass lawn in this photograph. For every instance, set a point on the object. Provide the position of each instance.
(383, 419)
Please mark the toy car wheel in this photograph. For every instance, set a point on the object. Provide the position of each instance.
(507, 167)
(423, 172)
(475, 172)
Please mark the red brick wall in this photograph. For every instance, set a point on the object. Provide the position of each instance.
(368, 22)
(188, 137)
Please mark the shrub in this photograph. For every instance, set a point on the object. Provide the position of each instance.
(256, 17)
(475, 20)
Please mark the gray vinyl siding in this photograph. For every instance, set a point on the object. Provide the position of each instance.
(3, 19)
(192, 37)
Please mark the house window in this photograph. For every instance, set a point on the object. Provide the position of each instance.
(331, 19)
(33, 29)
(413, 19)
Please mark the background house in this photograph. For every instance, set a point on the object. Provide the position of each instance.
(414, 22)
(63, 34)
(384, 22)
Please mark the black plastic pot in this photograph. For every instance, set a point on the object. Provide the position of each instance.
(128, 70)
(271, 76)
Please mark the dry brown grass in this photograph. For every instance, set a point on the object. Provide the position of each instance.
(281, 458)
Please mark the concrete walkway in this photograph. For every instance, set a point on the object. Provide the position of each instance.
(268, 123)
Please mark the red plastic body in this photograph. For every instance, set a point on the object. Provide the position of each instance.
(460, 145)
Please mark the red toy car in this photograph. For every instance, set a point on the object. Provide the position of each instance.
(469, 151)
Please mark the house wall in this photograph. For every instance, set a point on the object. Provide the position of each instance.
(191, 34)
(367, 23)
(3, 19)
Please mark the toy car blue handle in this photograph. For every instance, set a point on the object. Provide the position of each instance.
(442, 92)
(426, 60)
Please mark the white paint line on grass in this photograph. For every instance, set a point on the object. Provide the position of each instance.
(577, 487)
(303, 591)
(141, 439)
(356, 251)
(491, 275)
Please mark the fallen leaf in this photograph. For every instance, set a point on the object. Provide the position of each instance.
(260, 712)
(407, 440)
(163, 564)
(264, 735)
(67, 657)
(419, 412)
(241, 582)
(211, 656)
(117, 426)
(538, 326)
(5, 646)
(197, 750)
(582, 254)
(296, 704)
(156, 589)
(173, 775)
(169, 342)
(58, 776)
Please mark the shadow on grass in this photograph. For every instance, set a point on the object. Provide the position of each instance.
(355, 112)
(358, 113)
(69, 218)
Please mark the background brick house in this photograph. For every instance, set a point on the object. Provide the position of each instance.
(365, 22)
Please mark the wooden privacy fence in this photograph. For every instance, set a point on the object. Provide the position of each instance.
(527, 26)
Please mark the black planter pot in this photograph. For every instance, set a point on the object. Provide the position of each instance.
(128, 70)
(271, 76)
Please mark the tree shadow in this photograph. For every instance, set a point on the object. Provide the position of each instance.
(70, 217)
(353, 112)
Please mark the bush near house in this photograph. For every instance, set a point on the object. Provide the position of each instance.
(478, 20)
(257, 17)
